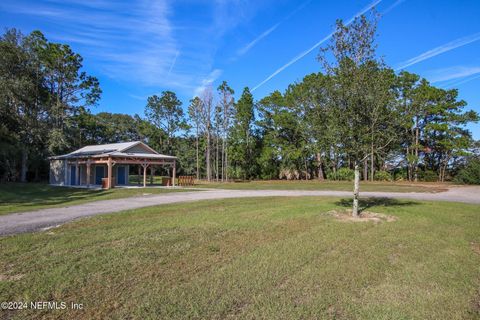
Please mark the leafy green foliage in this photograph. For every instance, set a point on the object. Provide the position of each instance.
(42, 86)
(342, 174)
(383, 176)
(242, 139)
(470, 174)
(428, 176)
(357, 109)
(166, 114)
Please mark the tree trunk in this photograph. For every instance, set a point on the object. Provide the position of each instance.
(372, 165)
(223, 159)
(226, 161)
(198, 162)
(306, 169)
(209, 173)
(416, 151)
(321, 177)
(365, 169)
(356, 190)
(409, 166)
(216, 158)
(24, 167)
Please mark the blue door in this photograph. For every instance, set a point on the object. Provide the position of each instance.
(121, 175)
(99, 174)
(73, 175)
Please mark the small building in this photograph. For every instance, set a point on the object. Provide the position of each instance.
(107, 163)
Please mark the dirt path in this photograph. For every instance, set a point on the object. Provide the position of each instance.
(37, 220)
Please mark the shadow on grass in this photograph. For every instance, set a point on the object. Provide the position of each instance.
(367, 203)
(34, 194)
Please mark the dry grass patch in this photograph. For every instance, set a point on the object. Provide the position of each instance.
(364, 216)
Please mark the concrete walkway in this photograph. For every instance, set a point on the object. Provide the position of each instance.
(37, 220)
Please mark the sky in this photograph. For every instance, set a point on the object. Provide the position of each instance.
(140, 48)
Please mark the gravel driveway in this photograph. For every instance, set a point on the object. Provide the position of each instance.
(46, 218)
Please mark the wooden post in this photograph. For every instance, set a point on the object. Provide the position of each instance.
(152, 174)
(356, 189)
(77, 174)
(88, 173)
(145, 166)
(138, 175)
(109, 175)
(174, 172)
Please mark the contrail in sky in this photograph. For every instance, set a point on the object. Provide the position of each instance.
(316, 45)
(173, 63)
(252, 43)
(439, 50)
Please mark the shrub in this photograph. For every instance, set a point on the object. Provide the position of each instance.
(400, 174)
(428, 176)
(344, 174)
(383, 176)
(470, 174)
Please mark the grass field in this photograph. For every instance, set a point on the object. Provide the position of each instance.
(18, 197)
(268, 258)
(328, 185)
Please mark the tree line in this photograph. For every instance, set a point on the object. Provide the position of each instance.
(355, 119)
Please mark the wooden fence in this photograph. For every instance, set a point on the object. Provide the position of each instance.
(181, 181)
(186, 180)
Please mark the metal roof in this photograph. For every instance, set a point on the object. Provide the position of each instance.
(113, 150)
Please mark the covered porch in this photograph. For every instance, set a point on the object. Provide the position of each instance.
(111, 171)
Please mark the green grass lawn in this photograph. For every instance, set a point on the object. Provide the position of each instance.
(328, 185)
(18, 197)
(268, 258)
(134, 179)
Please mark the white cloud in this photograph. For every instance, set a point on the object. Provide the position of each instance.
(126, 41)
(207, 81)
(439, 50)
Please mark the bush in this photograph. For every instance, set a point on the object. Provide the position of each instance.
(400, 174)
(428, 176)
(344, 174)
(470, 174)
(383, 176)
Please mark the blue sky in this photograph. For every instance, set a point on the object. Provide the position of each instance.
(141, 48)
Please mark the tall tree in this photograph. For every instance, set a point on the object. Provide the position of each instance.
(206, 122)
(409, 114)
(355, 70)
(242, 137)
(226, 103)
(195, 115)
(165, 113)
(42, 88)
(68, 87)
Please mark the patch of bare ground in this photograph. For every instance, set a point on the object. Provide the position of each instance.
(475, 247)
(365, 216)
(15, 277)
(476, 303)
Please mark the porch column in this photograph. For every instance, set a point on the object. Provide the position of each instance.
(152, 174)
(145, 166)
(138, 175)
(174, 172)
(77, 174)
(109, 174)
(88, 173)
